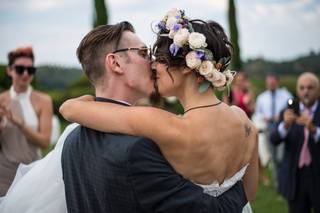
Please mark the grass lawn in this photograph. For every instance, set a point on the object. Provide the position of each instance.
(269, 201)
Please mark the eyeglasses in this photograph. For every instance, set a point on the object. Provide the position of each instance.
(20, 69)
(144, 52)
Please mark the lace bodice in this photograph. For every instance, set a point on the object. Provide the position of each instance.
(215, 189)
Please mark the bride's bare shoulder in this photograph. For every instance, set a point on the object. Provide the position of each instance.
(238, 111)
(247, 123)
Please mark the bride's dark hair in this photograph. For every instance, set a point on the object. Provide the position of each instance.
(216, 39)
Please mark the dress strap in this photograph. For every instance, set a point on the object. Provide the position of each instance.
(15, 95)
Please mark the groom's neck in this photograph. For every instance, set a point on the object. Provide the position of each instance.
(118, 94)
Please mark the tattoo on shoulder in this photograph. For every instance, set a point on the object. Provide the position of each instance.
(247, 129)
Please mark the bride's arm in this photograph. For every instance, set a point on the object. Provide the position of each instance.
(250, 180)
(165, 128)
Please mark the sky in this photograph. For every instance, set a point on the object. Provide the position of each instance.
(273, 29)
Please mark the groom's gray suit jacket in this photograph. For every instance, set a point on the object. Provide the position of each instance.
(116, 173)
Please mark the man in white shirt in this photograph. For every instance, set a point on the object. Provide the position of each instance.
(268, 107)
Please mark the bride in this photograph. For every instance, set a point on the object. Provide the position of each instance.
(212, 144)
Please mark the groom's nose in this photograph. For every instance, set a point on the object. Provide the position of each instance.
(153, 65)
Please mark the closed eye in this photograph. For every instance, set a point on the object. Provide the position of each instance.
(144, 52)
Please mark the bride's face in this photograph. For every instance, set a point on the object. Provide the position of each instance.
(169, 80)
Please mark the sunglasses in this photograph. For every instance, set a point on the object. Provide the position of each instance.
(20, 69)
(144, 52)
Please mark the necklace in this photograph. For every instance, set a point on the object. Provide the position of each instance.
(203, 106)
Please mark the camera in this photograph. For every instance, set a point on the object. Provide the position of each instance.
(293, 104)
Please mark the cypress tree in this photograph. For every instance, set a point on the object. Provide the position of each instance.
(236, 59)
(100, 13)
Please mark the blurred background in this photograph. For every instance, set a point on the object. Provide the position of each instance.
(278, 36)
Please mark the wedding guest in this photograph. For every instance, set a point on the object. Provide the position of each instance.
(299, 130)
(26, 116)
(241, 94)
(268, 107)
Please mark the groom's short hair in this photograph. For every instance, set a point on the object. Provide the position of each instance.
(96, 44)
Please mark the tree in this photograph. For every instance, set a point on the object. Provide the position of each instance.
(5, 81)
(236, 59)
(100, 13)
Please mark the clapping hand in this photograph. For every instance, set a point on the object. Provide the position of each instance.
(2, 111)
(289, 117)
(7, 114)
(306, 121)
(2, 117)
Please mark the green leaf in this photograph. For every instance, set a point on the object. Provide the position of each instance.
(208, 54)
(204, 86)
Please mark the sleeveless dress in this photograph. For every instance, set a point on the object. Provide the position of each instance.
(39, 187)
(15, 148)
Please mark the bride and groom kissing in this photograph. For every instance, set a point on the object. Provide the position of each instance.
(126, 158)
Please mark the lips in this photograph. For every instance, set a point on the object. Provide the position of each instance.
(25, 79)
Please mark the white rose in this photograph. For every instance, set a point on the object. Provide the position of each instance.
(214, 75)
(229, 75)
(172, 33)
(206, 68)
(219, 79)
(181, 37)
(192, 60)
(173, 12)
(197, 40)
(209, 75)
(171, 21)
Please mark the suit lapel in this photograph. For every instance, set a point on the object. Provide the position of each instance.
(316, 116)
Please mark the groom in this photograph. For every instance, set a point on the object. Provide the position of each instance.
(111, 173)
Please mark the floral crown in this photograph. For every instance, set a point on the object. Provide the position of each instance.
(199, 58)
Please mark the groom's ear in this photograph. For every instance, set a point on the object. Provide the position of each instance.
(112, 63)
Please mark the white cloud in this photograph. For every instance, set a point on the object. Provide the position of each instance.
(36, 5)
(279, 30)
(40, 5)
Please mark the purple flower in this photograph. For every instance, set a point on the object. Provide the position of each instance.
(161, 25)
(176, 27)
(174, 49)
(200, 55)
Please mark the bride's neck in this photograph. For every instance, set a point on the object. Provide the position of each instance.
(189, 95)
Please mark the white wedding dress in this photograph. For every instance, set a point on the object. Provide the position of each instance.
(39, 187)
